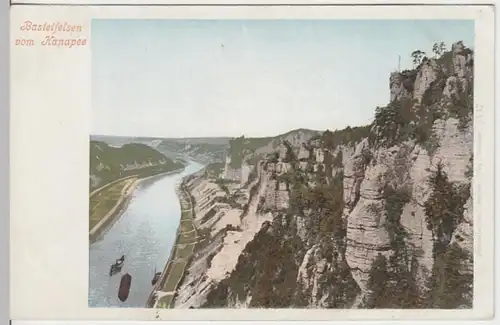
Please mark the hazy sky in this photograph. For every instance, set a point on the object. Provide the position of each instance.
(227, 78)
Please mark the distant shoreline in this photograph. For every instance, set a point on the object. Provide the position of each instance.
(115, 212)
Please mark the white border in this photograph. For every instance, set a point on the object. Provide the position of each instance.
(247, 2)
(49, 146)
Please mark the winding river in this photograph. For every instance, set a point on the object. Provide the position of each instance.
(144, 233)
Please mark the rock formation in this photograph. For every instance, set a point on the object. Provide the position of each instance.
(349, 212)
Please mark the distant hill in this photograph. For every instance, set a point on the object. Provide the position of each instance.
(203, 150)
(214, 150)
(110, 162)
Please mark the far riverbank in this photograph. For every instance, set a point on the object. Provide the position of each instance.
(121, 205)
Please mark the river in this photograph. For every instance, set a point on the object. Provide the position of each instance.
(144, 233)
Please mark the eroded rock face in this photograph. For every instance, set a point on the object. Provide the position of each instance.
(310, 274)
(455, 149)
(319, 155)
(303, 153)
(408, 165)
(420, 240)
(464, 235)
(368, 169)
(462, 61)
(399, 85)
(354, 173)
(367, 234)
(425, 76)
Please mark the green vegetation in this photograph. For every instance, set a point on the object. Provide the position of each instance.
(404, 119)
(165, 301)
(223, 185)
(252, 175)
(184, 252)
(103, 201)
(331, 140)
(450, 285)
(184, 249)
(244, 148)
(108, 163)
(325, 200)
(417, 56)
(204, 150)
(186, 238)
(327, 204)
(462, 106)
(270, 281)
(469, 173)
(186, 223)
(210, 258)
(445, 207)
(252, 193)
(400, 121)
(338, 160)
(267, 269)
(209, 215)
(174, 276)
(130, 153)
(214, 170)
(241, 146)
(392, 284)
(438, 49)
(395, 200)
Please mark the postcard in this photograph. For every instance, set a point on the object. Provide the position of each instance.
(252, 163)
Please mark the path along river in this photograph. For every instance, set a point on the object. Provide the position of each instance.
(144, 233)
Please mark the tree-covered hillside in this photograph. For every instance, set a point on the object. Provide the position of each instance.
(109, 163)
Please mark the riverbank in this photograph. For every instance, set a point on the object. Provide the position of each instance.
(102, 188)
(126, 195)
(164, 291)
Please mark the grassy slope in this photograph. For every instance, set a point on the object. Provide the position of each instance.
(101, 203)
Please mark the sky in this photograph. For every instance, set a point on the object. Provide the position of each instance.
(204, 78)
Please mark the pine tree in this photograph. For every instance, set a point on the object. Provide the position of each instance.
(377, 283)
(449, 286)
(440, 208)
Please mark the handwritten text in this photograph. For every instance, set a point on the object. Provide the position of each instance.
(53, 34)
(53, 28)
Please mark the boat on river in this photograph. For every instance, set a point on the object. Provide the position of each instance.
(124, 289)
(117, 267)
(155, 278)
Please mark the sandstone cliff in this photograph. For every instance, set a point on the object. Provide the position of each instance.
(244, 152)
(378, 216)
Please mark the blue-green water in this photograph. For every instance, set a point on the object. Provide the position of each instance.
(144, 233)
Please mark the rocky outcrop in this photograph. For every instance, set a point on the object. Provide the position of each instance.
(350, 203)
(365, 209)
(426, 75)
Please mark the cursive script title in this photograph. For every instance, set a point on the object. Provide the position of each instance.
(51, 34)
